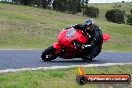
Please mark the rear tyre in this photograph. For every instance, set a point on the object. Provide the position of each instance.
(48, 54)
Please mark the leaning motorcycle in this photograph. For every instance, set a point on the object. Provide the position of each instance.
(68, 45)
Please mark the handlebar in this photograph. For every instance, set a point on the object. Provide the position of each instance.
(77, 44)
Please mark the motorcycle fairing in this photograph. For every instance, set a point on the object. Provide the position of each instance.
(67, 37)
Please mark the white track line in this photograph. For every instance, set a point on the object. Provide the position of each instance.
(60, 67)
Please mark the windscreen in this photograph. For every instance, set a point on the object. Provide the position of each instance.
(70, 33)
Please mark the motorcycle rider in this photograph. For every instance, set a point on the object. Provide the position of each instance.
(94, 45)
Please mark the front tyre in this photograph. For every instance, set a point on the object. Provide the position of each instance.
(48, 54)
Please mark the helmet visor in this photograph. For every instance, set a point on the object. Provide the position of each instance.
(89, 26)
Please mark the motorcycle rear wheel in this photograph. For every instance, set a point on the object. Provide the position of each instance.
(48, 54)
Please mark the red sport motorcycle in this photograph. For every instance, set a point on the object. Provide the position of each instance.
(68, 45)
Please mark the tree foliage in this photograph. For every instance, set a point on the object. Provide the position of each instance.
(129, 19)
(37, 3)
(91, 11)
(131, 10)
(69, 6)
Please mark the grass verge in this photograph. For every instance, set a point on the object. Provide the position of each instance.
(64, 78)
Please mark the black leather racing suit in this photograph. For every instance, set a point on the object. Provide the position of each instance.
(95, 40)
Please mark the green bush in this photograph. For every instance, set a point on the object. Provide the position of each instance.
(131, 10)
(91, 11)
(59, 5)
(70, 6)
(36, 3)
(115, 15)
(129, 19)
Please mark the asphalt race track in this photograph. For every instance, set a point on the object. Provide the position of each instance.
(17, 59)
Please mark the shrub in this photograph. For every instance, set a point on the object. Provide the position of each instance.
(131, 10)
(91, 11)
(123, 1)
(70, 6)
(115, 15)
(36, 3)
(129, 19)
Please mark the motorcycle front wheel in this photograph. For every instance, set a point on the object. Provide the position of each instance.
(48, 54)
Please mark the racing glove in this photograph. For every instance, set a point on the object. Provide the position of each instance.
(68, 27)
(77, 44)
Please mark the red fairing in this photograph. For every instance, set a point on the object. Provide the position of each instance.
(57, 46)
(66, 37)
(106, 37)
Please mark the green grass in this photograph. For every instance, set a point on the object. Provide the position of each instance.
(23, 27)
(103, 7)
(60, 78)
